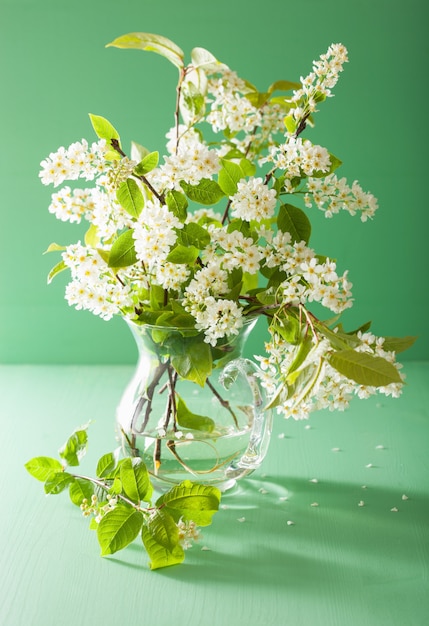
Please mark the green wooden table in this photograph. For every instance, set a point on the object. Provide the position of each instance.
(333, 530)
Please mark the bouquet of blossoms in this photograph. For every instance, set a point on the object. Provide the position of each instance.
(209, 235)
(202, 241)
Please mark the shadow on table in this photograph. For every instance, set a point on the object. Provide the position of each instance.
(352, 538)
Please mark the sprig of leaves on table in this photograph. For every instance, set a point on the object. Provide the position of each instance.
(119, 501)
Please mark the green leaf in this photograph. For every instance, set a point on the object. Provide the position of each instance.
(147, 164)
(194, 362)
(130, 197)
(283, 85)
(59, 267)
(135, 480)
(177, 204)
(398, 344)
(91, 236)
(290, 123)
(192, 102)
(182, 254)
(161, 539)
(138, 152)
(75, 447)
(289, 329)
(364, 368)
(55, 247)
(187, 419)
(106, 464)
(294, 221)
(229, 176)
(103, 128)
(41, 467)
(300, 355)
(206, 192)
(57, 482)
(118, 528)
(248, 168)
(194, 235)
(122, 252)
(257, 99)
(191, 501)
(155, 43)
(203, 58)
(79, 490)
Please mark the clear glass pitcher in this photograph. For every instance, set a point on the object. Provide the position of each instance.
(194, 411)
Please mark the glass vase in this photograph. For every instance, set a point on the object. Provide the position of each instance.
(194, 411)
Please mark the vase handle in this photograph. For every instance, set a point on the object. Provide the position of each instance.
(261, 428)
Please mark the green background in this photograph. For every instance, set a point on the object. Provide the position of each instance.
(55, 70)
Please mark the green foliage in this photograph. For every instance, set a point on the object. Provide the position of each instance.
(161, 539)
(42, 467)
(192, 421)
(206, 192)
(130, 197)
(79, 490)
(59, 267)
(118, 500)
(293, 220)
(191, 501)
(118, 528)
(155, 43)
(183, 254)
(57, 482)
(106, 464)
(398, 344)
(75, 447)
(177, 204)
(364, 368)
(135, 480)
(229, 176)
(194, 362)
(192, 102)
(122, 252)
(104, 130)
(147, 164)
(54, 247)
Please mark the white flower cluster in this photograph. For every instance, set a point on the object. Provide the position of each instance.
(216, 316)
(154, 234)
(332, 194)
(94, 507)
(317, 385)
(233, 250)
(319, 82)
(230, 109)
(309, 279)
(188, 533)
(79, 160)
(298, 157)
(218, 319)
(189, 160)
(92, 286)
(253, 200)
(232, 254)
(72, 205)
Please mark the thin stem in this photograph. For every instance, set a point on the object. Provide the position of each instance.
(225, 215)
(147, 399)
(309, 322)
(116, 146)
(106, 488)
(177, 109)
(223, 402)
(172, 394)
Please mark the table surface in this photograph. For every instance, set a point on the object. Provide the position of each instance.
(354, 484)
